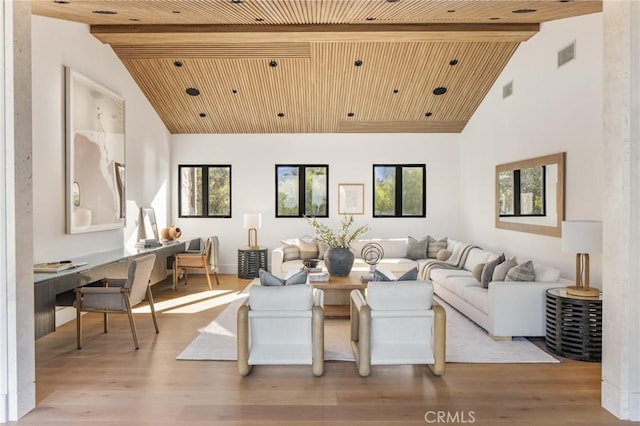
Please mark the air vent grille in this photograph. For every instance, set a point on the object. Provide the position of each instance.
(567, 54)
(507, 90)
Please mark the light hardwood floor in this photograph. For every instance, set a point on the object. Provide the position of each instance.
(108, 382)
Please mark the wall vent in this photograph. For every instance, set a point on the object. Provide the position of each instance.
(567, 54)
(507, 90)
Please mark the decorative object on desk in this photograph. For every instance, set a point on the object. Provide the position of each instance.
(53, 267)
(311, 263)
(372, 254)
(170, 233)
(148, 243)
(95, 156)
(351, 198)
(582, 237)
(252, 222)
(147, 226)
(338, 259)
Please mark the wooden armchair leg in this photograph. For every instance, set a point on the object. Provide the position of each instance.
(243, 340)
(131, 321)
(439, 339)
(153, 309)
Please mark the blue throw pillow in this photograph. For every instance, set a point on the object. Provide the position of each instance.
(384, 275)
(268, 279)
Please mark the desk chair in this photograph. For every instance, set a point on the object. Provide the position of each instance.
(206, 260)
(118, 296)
(397, 323)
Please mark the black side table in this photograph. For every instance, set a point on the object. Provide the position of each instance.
(250, 260)
(574, 325)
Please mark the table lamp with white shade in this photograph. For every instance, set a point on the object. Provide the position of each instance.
(252, 222)
(582, 237)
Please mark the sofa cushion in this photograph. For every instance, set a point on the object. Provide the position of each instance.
(477, 296)
(439, 275)
(477, 255)
(435, 246)
(501, 270)
(393, 247)
(521, 272)
(546, 273)
(489, 267)
(307, 248)
(281, 298)
(477, 271)
(457, 285)
(296, 277)
(407, 295)
(417, 249)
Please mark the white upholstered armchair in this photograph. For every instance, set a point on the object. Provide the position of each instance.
(397, 323)
(281, 325)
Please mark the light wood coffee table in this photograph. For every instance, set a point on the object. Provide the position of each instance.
(337, 293)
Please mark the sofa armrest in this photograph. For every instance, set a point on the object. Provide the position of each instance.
(518, 308)
(277, 258)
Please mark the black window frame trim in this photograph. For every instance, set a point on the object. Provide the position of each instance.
(205, 190)
(301, 189)
(398, 199)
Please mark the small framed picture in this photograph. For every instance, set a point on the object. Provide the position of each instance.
(351, 198)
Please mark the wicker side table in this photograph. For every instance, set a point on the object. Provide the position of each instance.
(574, 325)
(250, 260)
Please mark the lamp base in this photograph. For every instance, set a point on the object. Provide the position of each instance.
(582, 292)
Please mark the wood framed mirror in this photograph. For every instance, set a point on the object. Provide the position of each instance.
(530, 195)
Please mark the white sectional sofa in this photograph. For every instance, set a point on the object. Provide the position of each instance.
(504, 309)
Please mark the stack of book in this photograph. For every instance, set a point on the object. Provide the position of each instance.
(319, 277)
(148, 243)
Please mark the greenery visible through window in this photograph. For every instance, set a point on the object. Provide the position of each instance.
(302, 190)
(521, 192)
(205, 190)
(399, 190)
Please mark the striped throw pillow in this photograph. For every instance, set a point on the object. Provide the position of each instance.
(521, 272)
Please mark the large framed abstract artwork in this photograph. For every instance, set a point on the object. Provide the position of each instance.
(95, 160)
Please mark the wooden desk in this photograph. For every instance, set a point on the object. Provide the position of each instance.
(57, 288)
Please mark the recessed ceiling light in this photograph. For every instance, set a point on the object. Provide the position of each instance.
(371, 18)
(453, 62)
(358, 63)
(392, 1)
(350, 114)
(105, 12)
(61, 1)
(134, 19)
(234, 91)
(524, 10)
(259, 19)
(175, 11)
(177, 63)
(273, 64)
(429, 114)
(450, 11)
(493, 19)
(202, 114)
(439, 90)
(281, 114)
(192, 91)
(395, 90)
(237, 1)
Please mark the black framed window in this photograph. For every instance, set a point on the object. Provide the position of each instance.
(204, 191)
(302, 190)
(399, 190)
(522, 192)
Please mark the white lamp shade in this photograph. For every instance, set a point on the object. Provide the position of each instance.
(582, 236)
(252, 220)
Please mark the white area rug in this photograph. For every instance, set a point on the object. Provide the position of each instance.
(466, 342)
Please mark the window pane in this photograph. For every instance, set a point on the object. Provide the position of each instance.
(384, 190)
(220, 191)
(315, 191)
(505, 185)
(288, 191)
(532, 191)
(190, 191)
(412, 191)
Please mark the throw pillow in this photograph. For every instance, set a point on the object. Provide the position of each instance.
(268, 279)
(443, 255)
(477, 271)
(417, 249)
(435, 246)
(521, 272)
(308, 248)
(487, 271)
(384, 275)
(501, 270)
(322, 249)
(291, 252)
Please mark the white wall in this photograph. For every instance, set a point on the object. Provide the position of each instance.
(350, 158)
(551, 110)
(56, 44)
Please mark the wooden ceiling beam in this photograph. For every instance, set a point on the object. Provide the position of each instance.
(199, 34)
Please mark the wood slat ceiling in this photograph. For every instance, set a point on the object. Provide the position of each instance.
(227, 48)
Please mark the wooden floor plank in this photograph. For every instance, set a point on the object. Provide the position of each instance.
(108, 382)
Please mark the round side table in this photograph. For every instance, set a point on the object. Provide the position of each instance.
(574, 325)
